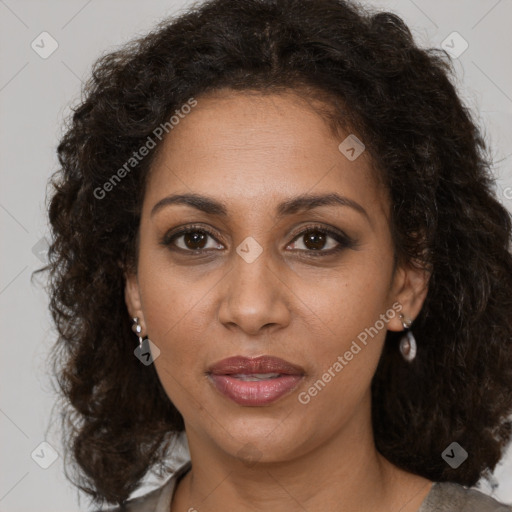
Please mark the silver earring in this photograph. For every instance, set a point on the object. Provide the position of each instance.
(147, 351)
(137, 329)
(408, 345)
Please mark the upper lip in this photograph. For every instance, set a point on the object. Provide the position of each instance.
(248, 365)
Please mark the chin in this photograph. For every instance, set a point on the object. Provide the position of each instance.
(265, 440)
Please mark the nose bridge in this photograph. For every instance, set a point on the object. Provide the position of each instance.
(253, 295)
(252, 263)
(251, 283)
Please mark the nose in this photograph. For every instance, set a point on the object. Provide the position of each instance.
(255, 297)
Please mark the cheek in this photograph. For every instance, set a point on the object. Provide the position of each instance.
(178, 314)
(171, 294)
(345, 331)
(346, 337)
(171, 313)
(346, 301)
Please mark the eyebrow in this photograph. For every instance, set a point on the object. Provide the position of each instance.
(293, 205)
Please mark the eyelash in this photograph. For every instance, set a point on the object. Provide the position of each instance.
(344, 241)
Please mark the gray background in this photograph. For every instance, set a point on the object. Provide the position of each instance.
(35, 95)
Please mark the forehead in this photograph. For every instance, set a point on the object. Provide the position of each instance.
(247, 149)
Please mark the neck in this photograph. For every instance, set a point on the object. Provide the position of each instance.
(344, 473)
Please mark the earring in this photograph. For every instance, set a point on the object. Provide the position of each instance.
(137, 329)
(147, 351)
(408, 342)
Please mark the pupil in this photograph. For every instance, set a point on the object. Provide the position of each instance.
(193, 238)
(314, 240)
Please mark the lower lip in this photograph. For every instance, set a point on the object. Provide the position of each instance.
(261, 392)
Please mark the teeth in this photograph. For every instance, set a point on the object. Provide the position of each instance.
(256, 376)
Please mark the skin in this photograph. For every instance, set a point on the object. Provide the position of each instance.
(251, 152)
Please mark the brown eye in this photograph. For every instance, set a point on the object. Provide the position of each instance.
(195, 240)
(315, 240)
(191, 240)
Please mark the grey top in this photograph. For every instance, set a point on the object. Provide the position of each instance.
(442, 497)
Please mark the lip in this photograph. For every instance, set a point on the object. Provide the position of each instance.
(261, 364)
(255, 393)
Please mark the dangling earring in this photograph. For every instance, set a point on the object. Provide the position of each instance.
(137, 329)
(147, 351)
(408, 342)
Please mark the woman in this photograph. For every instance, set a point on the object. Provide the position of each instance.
(275, 234)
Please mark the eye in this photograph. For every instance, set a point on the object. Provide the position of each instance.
(313, 239)
(192, 239)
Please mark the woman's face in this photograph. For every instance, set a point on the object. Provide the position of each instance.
(263, 285)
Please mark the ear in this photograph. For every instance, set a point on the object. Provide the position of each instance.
(409, 289)
(132, 299)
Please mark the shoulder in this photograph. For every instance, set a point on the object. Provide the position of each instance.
(452, 497)
(145, 503)
(157, 500)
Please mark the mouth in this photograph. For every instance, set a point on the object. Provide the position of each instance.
(255, 381)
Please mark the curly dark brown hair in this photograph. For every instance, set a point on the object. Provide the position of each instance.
(426, 147)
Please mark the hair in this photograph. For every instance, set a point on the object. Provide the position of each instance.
(400, 101)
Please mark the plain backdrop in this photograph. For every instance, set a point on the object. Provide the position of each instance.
(35, 95)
